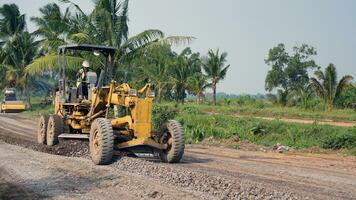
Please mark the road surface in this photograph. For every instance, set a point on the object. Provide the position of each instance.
(30, 171)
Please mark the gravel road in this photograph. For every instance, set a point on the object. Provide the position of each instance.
(30, 171)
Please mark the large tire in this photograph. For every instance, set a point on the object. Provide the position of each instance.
(54, 129)
(173, 136)
(42, 129)
(101, 141)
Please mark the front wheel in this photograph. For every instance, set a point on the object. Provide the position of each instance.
(42, 129)
(101, 141)
(173, 137)
(54, 129)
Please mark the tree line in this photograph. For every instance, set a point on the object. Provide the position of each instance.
(289, 75)
(29, 60)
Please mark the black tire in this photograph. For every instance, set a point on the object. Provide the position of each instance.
(54, 129)
(173, 136)
(42, 129)
(101, 141)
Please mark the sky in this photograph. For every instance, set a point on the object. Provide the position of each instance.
(246, 30)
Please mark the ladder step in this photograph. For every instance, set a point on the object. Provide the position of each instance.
(74, 136)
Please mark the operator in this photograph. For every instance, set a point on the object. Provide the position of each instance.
(81, 81)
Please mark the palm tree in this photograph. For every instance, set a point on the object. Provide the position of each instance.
(18, 45)
(197, 85)
(52, 26)
(155, 64)
(105, 25)
(326, 85)
(215, 69)
(12, 22)
(18, 49)
(185, 65)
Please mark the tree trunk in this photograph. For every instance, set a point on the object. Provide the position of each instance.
(159, 91)
(28, 94)
(214, 93)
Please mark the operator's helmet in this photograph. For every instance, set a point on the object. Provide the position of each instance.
(86, 64)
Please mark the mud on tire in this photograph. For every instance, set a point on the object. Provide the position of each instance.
(101, 141)
(54, 129)
(42, 129)
(173, 136)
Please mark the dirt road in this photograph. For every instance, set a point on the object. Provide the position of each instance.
(206, 172)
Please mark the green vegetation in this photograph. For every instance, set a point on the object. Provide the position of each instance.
(327, 87)
(199, 126)
(247, 106)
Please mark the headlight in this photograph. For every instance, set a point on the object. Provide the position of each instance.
(133, 93)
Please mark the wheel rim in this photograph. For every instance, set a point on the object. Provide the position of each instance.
(42, 130)
(96, 142)
(50, 131)
(168, 140)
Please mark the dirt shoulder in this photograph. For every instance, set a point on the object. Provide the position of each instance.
(347, 124)
(205, 173)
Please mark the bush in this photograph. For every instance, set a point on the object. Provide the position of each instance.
(191, 110)
(161, 114)
(347, 140)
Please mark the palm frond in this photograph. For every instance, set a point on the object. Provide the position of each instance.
(177, 40)
(49, 63)
(73, 4)
(343, 84)
(143, 39)
(81, 38)
(223, 72)
(318, 88)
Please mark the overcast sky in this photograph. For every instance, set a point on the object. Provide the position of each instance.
(246, 29)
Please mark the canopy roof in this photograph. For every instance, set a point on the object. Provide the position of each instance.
(87, 47)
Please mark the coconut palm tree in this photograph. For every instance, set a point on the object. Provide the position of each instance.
(154, 64)
(197, 84)
(18, 45)
(326, 85)
(18, 49)
(12, 22)
(215, 68)
(105, 25)
(184, 66)
(52, 26)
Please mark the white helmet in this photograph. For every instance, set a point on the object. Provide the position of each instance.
(85, 63)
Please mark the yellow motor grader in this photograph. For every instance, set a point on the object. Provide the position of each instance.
(95, 118)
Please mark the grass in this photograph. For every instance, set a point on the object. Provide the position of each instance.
(38, 107)
(264, 109)
(200, 126)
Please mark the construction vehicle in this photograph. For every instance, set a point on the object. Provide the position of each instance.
(10, 104)
(93, 117)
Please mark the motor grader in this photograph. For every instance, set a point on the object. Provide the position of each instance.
(96, 118)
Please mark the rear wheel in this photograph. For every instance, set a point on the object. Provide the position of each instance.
(42, 129)
(173, 137)
(101, 141)
(54, 129)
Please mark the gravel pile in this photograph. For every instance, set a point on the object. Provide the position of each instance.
(70, 148)
(216, 186)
